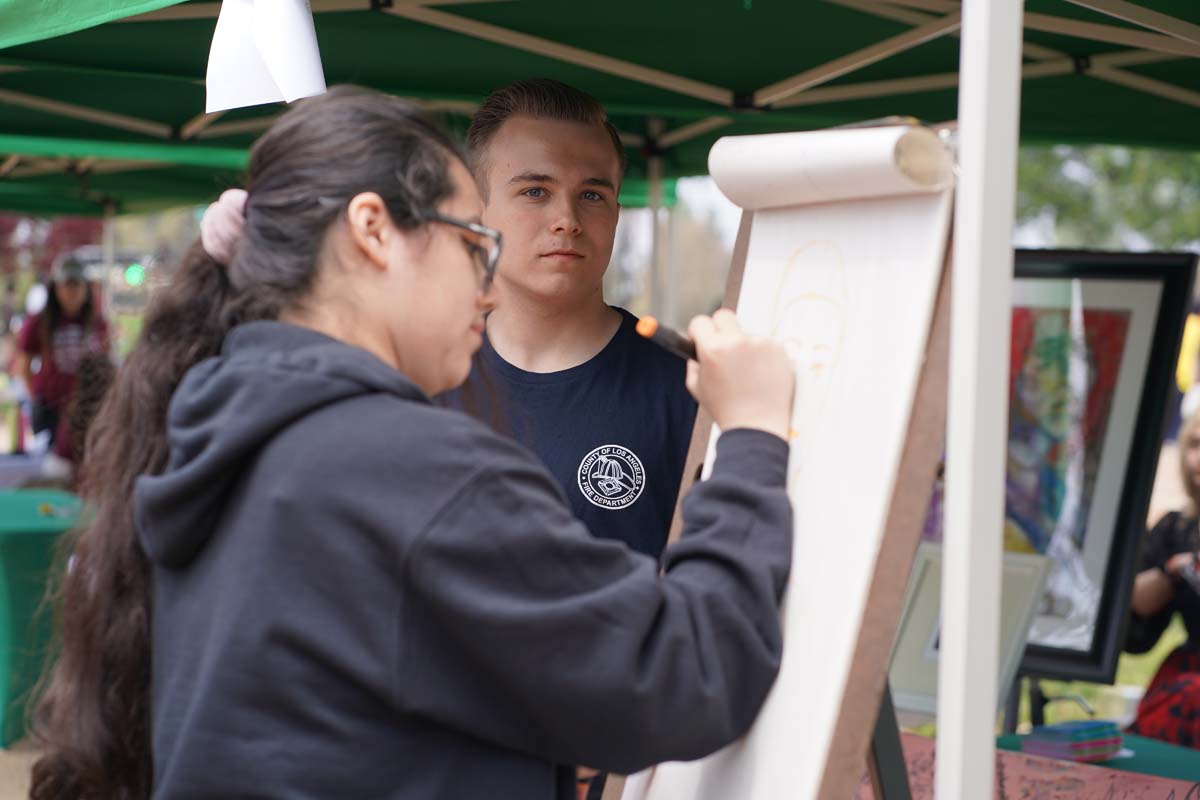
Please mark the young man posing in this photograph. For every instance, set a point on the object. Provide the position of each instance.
(606, 410)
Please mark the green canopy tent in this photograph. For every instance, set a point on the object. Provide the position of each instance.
(675, 75)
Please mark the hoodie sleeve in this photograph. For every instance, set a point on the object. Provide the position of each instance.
(521, 628)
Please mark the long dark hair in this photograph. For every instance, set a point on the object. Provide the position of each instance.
(93, 716)
(53, 314)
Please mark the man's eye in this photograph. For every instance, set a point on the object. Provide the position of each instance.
(592, 196)
(535, 192)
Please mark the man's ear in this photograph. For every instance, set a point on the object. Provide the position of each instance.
(370, 227)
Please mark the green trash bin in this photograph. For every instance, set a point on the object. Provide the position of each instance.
(31, 521)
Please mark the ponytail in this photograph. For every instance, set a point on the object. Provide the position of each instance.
(93, 718)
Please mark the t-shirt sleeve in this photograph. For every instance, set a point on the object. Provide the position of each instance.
(1159, 544)
(523, 629)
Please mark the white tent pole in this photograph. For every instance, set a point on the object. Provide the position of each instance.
(670, 311)
(654, 175)
(988, 113)
(109, 247)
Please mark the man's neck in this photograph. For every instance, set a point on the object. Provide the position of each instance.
(538, 338)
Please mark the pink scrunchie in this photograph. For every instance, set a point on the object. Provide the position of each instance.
(222, 224)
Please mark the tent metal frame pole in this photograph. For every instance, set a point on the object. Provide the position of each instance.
(572, 55)
(870, 89)
(113, 167)
(199, 123)
(692, 130)
(631, 139)
(1148, 85)
(936, 6)
(105, 118)
(37, 168)
(97, 167)
(236, 127)
(988, 113)
(213, 10)
(1147, 18)
(1111, 34)
(1051, 62)
(654, 175)
(911, 17)
(851, 62)
(109, 240)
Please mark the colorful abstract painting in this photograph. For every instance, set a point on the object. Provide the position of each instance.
(1063, 375)
(1061, 386)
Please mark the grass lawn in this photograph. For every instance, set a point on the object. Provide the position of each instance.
(1132, 671)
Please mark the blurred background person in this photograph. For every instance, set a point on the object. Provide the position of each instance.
(51, 344)
(1167, 583)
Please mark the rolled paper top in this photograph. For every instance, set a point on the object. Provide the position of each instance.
(777, 170)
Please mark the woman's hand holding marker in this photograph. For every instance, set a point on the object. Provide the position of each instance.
(743, 381)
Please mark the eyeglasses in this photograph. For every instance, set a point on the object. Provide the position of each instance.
(485, 258)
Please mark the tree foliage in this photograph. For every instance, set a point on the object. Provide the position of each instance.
(1111, 197)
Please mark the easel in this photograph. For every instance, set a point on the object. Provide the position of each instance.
(889, 772)
(864, 733)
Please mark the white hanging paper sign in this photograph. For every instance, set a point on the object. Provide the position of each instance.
(263, 51)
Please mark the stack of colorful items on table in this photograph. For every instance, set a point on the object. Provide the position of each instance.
(1078, 740)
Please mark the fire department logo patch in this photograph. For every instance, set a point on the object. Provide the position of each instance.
(611, 477)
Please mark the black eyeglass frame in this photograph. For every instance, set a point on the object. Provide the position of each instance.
(493, 256)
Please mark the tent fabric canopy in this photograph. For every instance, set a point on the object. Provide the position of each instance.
(112, 113)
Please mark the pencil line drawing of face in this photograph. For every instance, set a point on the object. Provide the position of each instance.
(809, 320)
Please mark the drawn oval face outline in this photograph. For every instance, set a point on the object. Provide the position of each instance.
(810, 328)
(809, 321)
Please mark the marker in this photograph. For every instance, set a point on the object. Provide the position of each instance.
(672, 340)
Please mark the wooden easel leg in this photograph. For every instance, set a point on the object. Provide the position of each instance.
(1012, 706)
(885, 763)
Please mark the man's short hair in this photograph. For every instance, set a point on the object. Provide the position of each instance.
(541, 98)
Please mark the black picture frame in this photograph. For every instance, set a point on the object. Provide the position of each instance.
(1175, 272)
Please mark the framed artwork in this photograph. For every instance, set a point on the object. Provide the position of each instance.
(1094, 341)
(914, 666)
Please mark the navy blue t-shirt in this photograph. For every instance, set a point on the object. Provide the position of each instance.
(614, 431)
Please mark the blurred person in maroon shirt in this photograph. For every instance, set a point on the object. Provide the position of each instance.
(58, 337)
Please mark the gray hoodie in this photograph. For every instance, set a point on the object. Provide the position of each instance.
(360, 595)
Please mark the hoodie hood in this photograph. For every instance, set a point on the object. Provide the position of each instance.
(268, 375)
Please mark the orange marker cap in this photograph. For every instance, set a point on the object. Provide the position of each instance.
(647, 326)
